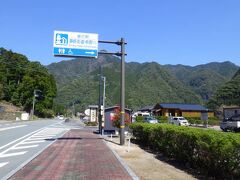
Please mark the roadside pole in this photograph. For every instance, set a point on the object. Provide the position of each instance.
(122, 125)
(100, 101)
(34, 99)
(121, 54)
(104, 94)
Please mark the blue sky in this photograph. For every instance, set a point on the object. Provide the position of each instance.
(189, 32)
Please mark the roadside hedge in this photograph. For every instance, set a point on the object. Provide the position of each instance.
(213, 153)
(197, 120)
(162, 119)
(139, 119)
(192, 120)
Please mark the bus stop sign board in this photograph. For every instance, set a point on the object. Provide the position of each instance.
(75, 44)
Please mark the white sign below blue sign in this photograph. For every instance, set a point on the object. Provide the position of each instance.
(75, 44)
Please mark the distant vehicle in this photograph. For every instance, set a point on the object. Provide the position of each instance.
(181, 121)
(144, 114)
(151, 120)
(231, 124)
(61, 117)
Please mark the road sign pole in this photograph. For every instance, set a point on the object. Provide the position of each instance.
(104, 94)
(100, 100)
(122, 54)
(122, 125)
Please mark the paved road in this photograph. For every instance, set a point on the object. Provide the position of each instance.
(22, 141)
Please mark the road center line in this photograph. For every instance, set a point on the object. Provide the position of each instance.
(3, 129)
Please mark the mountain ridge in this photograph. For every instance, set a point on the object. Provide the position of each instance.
(146, 83)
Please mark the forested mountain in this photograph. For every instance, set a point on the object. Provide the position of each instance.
(66, 71)
(229, 94)
(146, 84)
(204, 79)
(19, 78)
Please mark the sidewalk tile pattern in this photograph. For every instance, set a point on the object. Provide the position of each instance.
(78, 155)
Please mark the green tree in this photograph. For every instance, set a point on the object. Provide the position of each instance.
(229, 94)
(20, 77)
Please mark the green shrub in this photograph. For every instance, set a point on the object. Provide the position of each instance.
(197, 120)
(212, 152)
(139, 119)
(162, 119)
(213, 121)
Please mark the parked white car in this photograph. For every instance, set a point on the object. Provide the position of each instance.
(61, 117)
(181, 121)
(144, 114)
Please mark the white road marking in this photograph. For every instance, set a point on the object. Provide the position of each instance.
(45, 134)
(19, 139)
(40, 138)
(12, 154)
(3, 164)
(32, 142)
(13, 127)
(25, 147)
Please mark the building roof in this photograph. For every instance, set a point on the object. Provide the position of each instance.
(231, 107)
(113, 107)
(93, 106)
(146, 108)
(182, 106)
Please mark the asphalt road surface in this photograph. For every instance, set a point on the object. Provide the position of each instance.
(20, 142)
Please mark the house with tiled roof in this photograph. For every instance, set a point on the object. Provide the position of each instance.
(182, 109)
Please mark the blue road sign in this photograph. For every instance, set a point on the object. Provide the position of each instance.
(75, 44)
(75, 52)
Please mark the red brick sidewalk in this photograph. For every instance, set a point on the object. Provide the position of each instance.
(79, 154)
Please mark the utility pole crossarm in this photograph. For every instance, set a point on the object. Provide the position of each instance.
(112, 42)
(112, 53)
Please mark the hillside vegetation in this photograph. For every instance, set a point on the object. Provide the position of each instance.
(19, 78)
(146, 84)
(77, 83)
(204, 79)
(229, 94)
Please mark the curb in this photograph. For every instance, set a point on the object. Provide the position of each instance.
(126, 167)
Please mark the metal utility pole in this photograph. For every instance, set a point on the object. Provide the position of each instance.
(100, 101)
(122, 54)
(34, 99)
(36, 93)
(104, 96)
(122, 124)
(73, 111)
